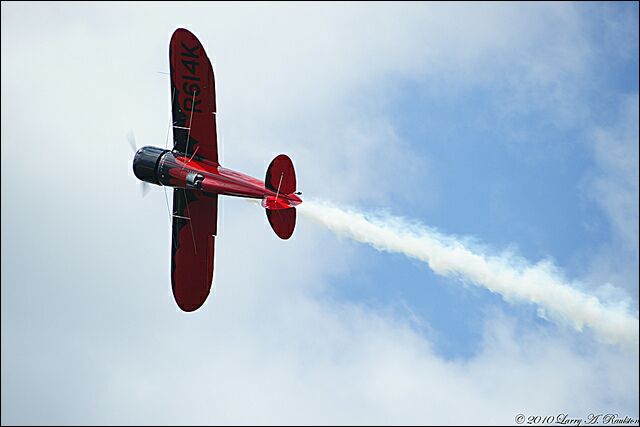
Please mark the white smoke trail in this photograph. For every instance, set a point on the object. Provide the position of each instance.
(510, 276)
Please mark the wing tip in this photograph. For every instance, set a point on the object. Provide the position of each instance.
(189, 305)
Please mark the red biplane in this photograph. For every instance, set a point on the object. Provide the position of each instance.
(193, 170)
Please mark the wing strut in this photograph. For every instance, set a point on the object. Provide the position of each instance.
(193, 105)
(193, 236)
(171, 122)
(193, 155)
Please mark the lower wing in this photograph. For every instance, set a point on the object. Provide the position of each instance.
(195, 217)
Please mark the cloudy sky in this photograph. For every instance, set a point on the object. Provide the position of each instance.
(510, 126)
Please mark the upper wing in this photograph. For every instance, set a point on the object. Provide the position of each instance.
(193, 96)
(194, 227)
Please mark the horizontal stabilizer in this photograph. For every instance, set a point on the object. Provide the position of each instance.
(283, 221)
(281, 177)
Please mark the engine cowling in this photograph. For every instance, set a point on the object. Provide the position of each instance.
(145, 164)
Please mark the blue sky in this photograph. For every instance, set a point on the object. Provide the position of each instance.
(506, 179)
(512, 125)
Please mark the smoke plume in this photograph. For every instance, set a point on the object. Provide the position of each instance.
(507, 274)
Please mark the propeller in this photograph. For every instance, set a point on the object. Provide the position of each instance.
(144, 186)
(132, 141)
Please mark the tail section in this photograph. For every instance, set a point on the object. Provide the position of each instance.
(281, 175)
(281, 179)
(283, 221)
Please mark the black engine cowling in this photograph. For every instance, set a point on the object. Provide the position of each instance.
(145, 163)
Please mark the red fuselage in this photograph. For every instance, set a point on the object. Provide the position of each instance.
(173, 169)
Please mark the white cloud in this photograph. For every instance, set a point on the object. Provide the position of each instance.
(88, 331)
(613, 186)
(616, 186)
(273, 351)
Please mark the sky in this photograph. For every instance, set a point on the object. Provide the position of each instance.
(512, 127)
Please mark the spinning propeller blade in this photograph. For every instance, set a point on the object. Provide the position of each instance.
(144, 187)
(132, 141)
